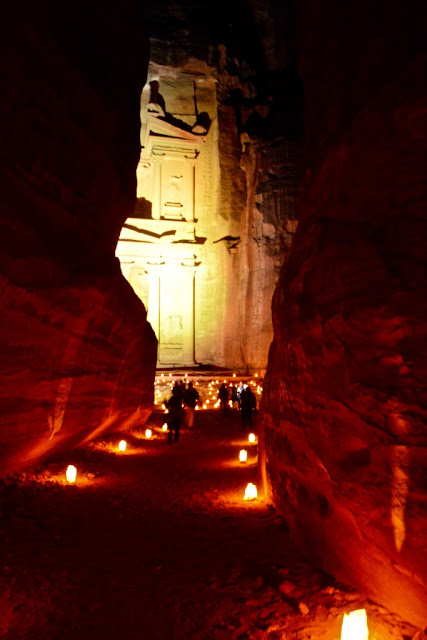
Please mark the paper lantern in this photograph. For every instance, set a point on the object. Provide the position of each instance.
(71, 473)
(250, 492)
(243, 455)
(122, 445)
(355, 626)
(251, 438)
(148, 433)
(165, 427)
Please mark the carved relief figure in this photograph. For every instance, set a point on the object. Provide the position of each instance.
(174, 189)
(172, 329)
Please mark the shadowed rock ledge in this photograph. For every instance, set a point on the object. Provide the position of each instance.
(77, 354)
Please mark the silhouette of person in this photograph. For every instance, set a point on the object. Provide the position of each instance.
(176, 413)
(223, 398)
(235, 397)
(191, 396)
(247, 406)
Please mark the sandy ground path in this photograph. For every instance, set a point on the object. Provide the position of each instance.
(157, 544)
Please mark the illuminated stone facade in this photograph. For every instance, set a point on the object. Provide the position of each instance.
(205, 244)
(168, 250)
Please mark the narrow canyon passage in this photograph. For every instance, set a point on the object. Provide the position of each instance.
(157, 544)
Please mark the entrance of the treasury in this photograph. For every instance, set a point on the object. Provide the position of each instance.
(167, 290)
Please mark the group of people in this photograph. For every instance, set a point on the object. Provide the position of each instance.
(242, 398)
(182, 405)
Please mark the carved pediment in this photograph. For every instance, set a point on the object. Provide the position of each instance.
(163, 138)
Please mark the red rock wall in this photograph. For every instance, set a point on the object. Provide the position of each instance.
(77, 354)
(343, 414)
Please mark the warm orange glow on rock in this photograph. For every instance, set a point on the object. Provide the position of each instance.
(250, 492)
(355, 626)
(122, 445)
(148, 433)
(251, 438)
(71, 473)
(243, 455)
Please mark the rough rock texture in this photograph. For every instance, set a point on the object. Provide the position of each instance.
(267, 228)
(344, 404)
(77, 353)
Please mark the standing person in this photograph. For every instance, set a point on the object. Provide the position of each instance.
(191, 396)
(247, 406)
(240, 390)
(235, 398)
(223, 398)
(182, 388)
(176, 413)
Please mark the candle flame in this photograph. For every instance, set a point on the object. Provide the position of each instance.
(243, 455)
(148, 433)
(251, 437)
(165, 427)
(122, 445)
(355, 626)
(250, 492)
(71, 473)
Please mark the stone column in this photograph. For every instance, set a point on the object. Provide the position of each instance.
(157, 188)
(153, 315)
(188, 274)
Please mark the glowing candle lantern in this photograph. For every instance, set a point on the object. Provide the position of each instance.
(165, 427)
(234, 375)
(148, 433)
(250, 492)
(197, 407)
(204, 406)
(243, 455)
(355, 626)
(122, 445)
(71, 473)
(251, 438)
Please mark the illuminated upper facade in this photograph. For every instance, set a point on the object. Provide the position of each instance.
(169, 249)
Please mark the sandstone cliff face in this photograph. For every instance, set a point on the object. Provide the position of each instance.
(344, 402)
(77, 354)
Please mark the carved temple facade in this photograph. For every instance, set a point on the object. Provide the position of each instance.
(197, 250)
(167, 250)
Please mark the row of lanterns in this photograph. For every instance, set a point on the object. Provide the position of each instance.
(71, 472)
(251, 492)
(354, 625)
(211, 390)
